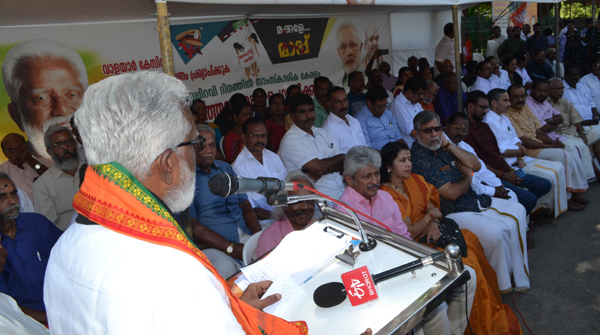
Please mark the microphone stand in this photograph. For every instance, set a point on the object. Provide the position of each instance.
(282, 200)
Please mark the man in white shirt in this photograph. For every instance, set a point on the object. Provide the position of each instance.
(406, 106)
(511, 149)
(311, 149)
(484, 81)
(53, 191)
(102, 280)
(592, 81)
(500, 76)
(580, 96)
(522, 59)
(256, 161)
(22, 167)
(344, 130)
(445, 49)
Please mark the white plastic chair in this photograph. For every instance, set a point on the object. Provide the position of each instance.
(249, 250)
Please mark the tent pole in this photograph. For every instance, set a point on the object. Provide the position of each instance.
(457, 66)
(594, 13)
(164, 35)
(557, 38)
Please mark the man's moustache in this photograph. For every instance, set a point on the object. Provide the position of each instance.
(376, 186)
(260, 143)
(67, 153)
(312, 119)
(344, 109)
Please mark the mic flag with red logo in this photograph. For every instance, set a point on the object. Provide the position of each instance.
(359, 286)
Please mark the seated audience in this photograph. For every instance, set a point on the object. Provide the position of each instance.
(469, 78)
(275, 121)
(259, 102)
(416, 199)
(500, 232)
(510, 66)
(305, 147)
(550, 118)
(500, 76)
(356, 97)
(432, 91)
(426, 74)
(221, 224)
(481, 141)
(413, 64)
(27, 239)
(378, 123)
(256, 161)
(344, 130)
(321, 85)
(375, 80)
(485, 81)
(423, 63)
(446, 102)
(361, 174)
(199, 113)
(23, 168)
(225, 118)
(522, 59)
(406, 106)
(539, 145)
(580, 96)
(232, 142)
(592, 81)
(53, 191)
(551, 60)
(537, 68)
(447, 67)
(572, 125)
(289, 218)
(388, 80)
(403, 75)
(290, 92)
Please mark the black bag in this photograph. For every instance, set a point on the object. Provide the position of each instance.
(449, 233)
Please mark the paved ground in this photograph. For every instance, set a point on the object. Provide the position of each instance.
(565, 273)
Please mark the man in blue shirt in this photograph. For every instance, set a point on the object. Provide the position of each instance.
(356, 98)
(537, 68)
(446, 102)
(27, 239)
(378, 123)
(222, 224)
(536, 41)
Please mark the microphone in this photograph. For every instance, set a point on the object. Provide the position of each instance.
(225, 185)
(334, 293)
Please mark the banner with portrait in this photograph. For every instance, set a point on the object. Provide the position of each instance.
(214, 59)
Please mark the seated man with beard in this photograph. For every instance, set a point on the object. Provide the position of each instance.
(361, 174)
(289, 218)
(53, 191)
(432, 91)
(27, 239)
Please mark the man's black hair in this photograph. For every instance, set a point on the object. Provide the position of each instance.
(455, 116)
(376, 93)
(252, 120)
(448, 29)
(413, 84)
(300, 99)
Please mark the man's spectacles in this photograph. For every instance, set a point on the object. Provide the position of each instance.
(463, 130)
(258, 136)
(557, 88)
(430, 130)
(382, 107)
(64, 144)
(484, 107)
(197, 143)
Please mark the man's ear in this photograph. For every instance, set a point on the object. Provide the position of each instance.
(13, 111)
(414, 134)
(165, 165)
(349, 180)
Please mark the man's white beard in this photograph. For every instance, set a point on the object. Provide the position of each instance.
(181, 197)
(35, 136)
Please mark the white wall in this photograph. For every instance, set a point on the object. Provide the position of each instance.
(416, 33)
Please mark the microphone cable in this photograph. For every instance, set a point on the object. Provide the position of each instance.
(467, 309)
(522, 318)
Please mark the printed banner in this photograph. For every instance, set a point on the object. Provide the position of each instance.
(214, 59)
(510, 14)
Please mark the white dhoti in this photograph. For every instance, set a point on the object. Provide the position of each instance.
(556, 199)
(574, 173)
(579, 150)
(449, 317)
(501, 229)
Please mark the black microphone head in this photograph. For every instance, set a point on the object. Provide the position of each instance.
(329, 295)
(223, 184)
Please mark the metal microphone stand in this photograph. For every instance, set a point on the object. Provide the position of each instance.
(282, 200)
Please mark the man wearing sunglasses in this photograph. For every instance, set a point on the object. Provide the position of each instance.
(450, 169)
(54, 190)
(256, 161)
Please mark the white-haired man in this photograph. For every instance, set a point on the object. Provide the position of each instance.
(361, 174)
(127, 265)
(53, 191)
(349, 49)
(45, 81)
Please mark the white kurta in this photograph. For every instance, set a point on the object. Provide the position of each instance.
(593, 85)
(485, 85)
(404, 112)
(581, 98)
(343, 135)
(102, 282)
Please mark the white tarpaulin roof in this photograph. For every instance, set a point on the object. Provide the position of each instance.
(43, 12)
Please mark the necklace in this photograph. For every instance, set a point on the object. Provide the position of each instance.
(399, 190)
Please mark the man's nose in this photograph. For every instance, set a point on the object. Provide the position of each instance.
(62, 106)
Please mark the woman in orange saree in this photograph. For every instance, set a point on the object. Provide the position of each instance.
(419, 204)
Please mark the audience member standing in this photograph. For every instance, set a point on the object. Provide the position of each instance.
(445, 49)
(537, 41)
(511, 45)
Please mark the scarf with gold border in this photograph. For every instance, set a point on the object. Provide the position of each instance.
(112, 197)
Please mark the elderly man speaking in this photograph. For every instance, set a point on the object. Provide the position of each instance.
(127, 266)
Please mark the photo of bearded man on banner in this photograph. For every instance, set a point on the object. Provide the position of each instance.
(45, 81)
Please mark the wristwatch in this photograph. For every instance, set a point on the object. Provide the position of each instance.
(551, 121)
(37, 166)
(229, 249)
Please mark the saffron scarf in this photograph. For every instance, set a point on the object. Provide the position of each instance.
(112, 197)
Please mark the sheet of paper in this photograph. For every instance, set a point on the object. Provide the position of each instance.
(299, 255)
(290, 294)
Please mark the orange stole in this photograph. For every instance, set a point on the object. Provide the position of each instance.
(488, 314)
(115, 199)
